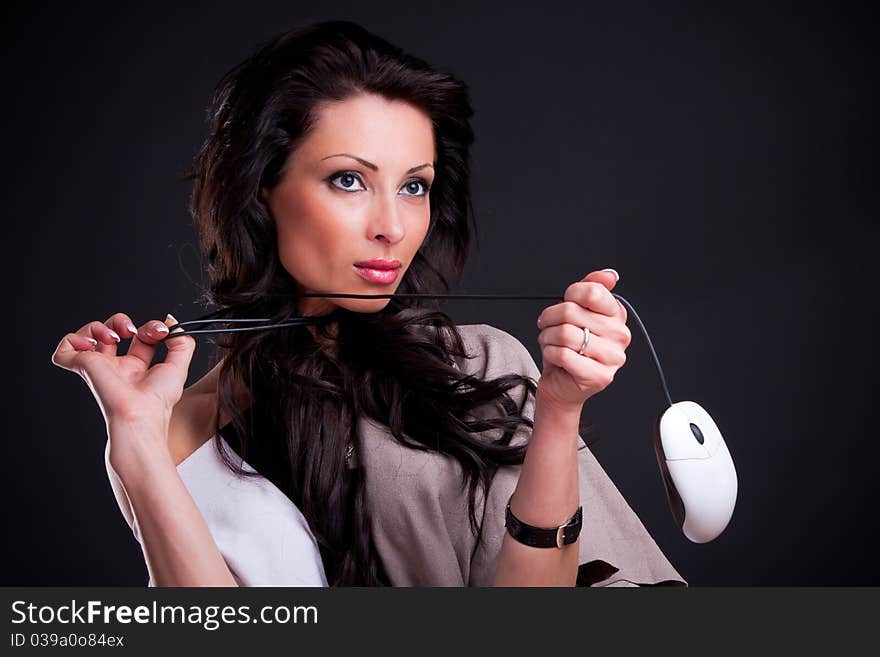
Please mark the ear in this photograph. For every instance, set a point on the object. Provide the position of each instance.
(263, 198)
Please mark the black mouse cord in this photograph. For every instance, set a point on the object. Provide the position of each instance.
(212, 318)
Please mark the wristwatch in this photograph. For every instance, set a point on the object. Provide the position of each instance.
(543, 536)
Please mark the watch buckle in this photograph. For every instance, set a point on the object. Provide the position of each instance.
(559, 536)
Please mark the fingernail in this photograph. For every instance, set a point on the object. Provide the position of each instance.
(131, 327)
(613, 271)
(93, 341)
(170, 318)
(115, 335)
(161, 328)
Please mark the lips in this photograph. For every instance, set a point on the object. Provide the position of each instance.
(379, 276)
(379, 264)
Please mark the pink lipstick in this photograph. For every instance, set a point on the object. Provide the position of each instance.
(383, 272)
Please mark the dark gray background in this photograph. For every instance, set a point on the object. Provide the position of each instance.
(721, 159)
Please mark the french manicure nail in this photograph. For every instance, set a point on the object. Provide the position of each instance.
(131, 327)
(173, 320)
(115, 335)
(161, 328)
(613, 271)
(93, 341)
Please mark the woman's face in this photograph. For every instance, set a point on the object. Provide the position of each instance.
(332, 210)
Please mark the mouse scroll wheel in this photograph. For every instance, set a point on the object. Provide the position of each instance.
(697, 433)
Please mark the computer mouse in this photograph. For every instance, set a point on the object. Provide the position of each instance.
(698, 471)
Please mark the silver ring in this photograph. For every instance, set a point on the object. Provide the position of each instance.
(586, 340)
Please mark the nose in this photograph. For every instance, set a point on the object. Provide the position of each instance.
(388, 220)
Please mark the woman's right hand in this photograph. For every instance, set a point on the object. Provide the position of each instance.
(129, 392)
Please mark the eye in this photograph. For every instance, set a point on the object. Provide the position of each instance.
(347, 180)
(418, 181)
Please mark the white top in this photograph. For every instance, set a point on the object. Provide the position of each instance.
(263, 537)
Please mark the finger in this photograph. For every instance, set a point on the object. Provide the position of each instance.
(122, 324)
(604, 276)
(107, 347)
(587, 372)
(67, 349)
(106, 338)
(180, 349)
(607, 277)
(608, 352)
(593, 296)
(143, 345)
(570, 312)
(118, 325)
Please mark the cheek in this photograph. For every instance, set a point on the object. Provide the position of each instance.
(422, 229)
(305, 229)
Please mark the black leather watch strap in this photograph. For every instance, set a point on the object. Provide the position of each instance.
(544, 536)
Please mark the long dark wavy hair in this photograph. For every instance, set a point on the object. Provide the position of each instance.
(394, 366)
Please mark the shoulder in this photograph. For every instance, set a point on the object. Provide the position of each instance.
(494, 352)
(193, 419)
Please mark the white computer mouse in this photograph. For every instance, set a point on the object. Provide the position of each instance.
(697, 469)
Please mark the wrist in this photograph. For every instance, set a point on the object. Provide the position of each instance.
(560, 409)
(134, 452)
(137, 470)
(556, 535)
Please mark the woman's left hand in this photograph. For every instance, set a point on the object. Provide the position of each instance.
(570, 378)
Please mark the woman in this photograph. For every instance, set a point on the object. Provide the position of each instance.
(383, 444)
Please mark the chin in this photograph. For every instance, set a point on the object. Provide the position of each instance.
(364, 305)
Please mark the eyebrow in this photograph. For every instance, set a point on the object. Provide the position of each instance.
(372, 166)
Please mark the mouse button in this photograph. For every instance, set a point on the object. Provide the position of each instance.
(679, 442)
(687, 449)
(707, 427)
(706, 435)
(713, 440)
